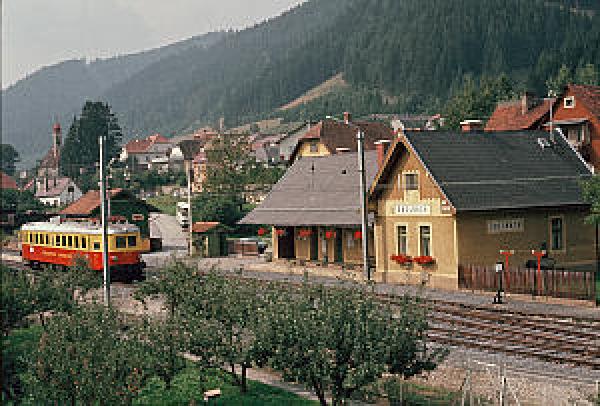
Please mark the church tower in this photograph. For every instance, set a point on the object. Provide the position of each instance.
(56, 140)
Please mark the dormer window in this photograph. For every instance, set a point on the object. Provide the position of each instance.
(411, 181)
(314, 147)
(569, 102)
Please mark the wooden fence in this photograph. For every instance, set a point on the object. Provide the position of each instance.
(555, 283)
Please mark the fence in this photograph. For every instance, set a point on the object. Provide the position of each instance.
(567, 284)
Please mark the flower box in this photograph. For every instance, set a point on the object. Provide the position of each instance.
(304, 233)
(330, 235)
(280, 232)
(402, 259)
(424, 260)
(358, 235)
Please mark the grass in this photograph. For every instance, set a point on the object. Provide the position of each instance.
(166, 204)
(186, 389)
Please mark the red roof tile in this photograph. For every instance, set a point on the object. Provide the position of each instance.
(6, 182)
(509, 116)
(87, 203)
(203, 227)
(141, 146)
(158, 139)
(588, 95)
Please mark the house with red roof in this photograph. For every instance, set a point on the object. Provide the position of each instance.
(55, 191)
(577, 115)
(6, 182)
(150, 153)
(528, 113)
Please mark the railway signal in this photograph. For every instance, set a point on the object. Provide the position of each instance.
(500, 293)
(539, 255)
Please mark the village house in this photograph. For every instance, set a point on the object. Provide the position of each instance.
(330, 137)
(123, 205)
(56, 191)
(444, 201)
(151, 153)
(314, 210)
(274, 146)
(577, 115)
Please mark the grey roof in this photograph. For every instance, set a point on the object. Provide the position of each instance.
(496, 170)
(329, 194)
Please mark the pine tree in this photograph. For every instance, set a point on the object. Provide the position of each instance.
(81, 150)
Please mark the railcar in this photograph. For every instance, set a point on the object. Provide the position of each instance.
(58, 244)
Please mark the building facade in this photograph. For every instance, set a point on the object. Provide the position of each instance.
(444, 201)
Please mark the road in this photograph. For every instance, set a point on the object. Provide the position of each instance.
(174, 240)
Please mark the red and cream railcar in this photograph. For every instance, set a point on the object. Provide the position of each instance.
(60, 243)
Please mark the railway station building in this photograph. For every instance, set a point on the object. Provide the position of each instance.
(443, 201)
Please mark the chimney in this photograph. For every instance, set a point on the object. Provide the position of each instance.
(382, 147)
(347, 117)
(527, 102)
(471, 125)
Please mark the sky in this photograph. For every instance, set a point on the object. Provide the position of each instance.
(36, 33)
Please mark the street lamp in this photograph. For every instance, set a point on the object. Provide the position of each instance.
(360, 138)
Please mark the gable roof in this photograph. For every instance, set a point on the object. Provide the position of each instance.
(334, 134)
(6, 182)
(55, 187)
(142, 146)
(589, 95)
(509, 116)
(497, 170)
(316, 191)
(91, 201)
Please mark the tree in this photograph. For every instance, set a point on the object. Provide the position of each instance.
(227, 209)
(15, 298)
(556, 84)
(587, 75)
(341, 341)
(8, 159)
(85, 358)
(591, 194)
(81, 151)
(478, 99)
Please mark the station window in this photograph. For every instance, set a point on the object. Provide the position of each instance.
(425, 236)
(314, 146)
(402, 239)
(132, 241)
(121, 242)
(411, 181)
(557, 234)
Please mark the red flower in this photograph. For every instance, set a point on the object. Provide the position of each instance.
(330, 234)
(280, 232)
(304, 233)
(402, 259)
(424, 260)
(358, 235)
(262, 231)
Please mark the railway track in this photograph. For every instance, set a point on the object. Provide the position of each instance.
(499, 329)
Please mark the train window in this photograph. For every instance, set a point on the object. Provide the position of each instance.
(70, 241)
(30, 237)
(57, 241)
(131, 241)
(64, 240)
(97, 246)
(84, 242)
(47, 239)
(35, 240)
(76, 241)
(121, 242)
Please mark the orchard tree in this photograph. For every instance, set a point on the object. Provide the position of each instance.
(81, 151)
(86, 358)
(340, 341)
(16, 298)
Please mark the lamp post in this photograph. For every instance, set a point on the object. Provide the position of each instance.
(364, 213)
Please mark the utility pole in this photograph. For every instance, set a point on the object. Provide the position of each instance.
(364, 213)
(103, 214)
(190, 167)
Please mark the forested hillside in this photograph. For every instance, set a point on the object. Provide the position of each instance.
(397, 55)
(59, 91)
